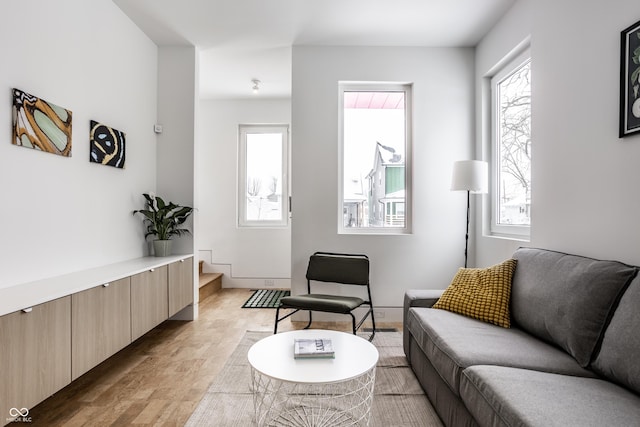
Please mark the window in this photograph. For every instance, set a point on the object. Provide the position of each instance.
(375, 158)
(511, 148)
(263, 195)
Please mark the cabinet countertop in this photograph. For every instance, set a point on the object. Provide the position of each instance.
(25, 295)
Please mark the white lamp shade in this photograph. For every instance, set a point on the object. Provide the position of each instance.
(470, 175)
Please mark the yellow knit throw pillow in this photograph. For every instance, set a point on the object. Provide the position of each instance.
(481, 293)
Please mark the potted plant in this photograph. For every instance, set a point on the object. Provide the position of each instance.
(163, 220)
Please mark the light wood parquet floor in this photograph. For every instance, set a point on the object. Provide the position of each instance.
(160, 378)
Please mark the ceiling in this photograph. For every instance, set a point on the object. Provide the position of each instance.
(241, 40)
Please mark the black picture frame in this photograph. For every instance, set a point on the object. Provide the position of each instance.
(106, 145)
(630, 80)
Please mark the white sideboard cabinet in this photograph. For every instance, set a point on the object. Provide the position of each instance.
(100, 324)
(149, 300)
(180, 285)
(35, 354)
(54, 330)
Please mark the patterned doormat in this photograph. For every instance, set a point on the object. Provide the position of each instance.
(266, 298)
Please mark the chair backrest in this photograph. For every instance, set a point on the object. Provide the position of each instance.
(349, 269)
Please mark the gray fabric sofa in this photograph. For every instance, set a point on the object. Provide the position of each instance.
(570, 358)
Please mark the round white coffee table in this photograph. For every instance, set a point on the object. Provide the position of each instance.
(313, 392)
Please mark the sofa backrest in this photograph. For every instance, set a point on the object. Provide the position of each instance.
(566, 299)
(619, 356)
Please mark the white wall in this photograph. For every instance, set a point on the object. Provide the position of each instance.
(177, 105)
(176, 151)
(66, 214)
(246, 256)
(442, 133)
(584, 178)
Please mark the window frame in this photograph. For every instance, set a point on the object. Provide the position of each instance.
(510, 65)
(243, 131)
(407, 88)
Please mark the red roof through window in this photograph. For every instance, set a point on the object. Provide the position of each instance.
(374, 100)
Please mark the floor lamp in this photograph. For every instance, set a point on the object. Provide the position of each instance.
(471, 176)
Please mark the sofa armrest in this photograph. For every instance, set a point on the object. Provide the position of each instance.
(421, 298)
(416, 298)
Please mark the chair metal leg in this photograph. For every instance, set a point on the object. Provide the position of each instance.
(353, 323)
(373, 325)
(275, 327)
(362, 320)
(279, 319)
(308, 324)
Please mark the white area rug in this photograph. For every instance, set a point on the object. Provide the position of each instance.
(398, 398)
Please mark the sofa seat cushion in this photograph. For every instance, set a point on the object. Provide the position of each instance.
(501, 396)
(453, 342)
(566, 299)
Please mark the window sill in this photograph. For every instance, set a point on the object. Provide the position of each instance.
(511, 237)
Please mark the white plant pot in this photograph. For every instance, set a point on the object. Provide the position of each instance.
(162, 247)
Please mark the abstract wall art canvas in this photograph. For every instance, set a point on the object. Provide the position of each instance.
(107, 145)
(40, 125)
(630, 81)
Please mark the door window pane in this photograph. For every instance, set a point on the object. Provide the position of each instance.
(263, 196)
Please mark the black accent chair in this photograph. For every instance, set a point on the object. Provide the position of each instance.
(328, 267)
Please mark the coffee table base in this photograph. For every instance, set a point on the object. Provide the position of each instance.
(343, 403)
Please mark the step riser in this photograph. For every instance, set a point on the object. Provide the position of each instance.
(210, 288)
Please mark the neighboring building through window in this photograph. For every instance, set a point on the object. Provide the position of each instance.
(263, 195)
(386, 188)
(511, 148)
(374, 158)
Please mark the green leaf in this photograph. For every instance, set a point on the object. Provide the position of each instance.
(163, 219)
(161, 204)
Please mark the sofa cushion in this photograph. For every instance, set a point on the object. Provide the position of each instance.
(620, 350)
(501, 396)
(481, 293)
(566, 299)
(453, 342)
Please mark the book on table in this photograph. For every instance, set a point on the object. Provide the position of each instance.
(307, 348)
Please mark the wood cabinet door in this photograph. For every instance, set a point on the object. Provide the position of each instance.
(35, 354)
(180, 285)
(149, 301)
(101, 324)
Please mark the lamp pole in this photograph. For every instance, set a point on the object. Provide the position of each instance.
(470, 176)
(466, 236)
